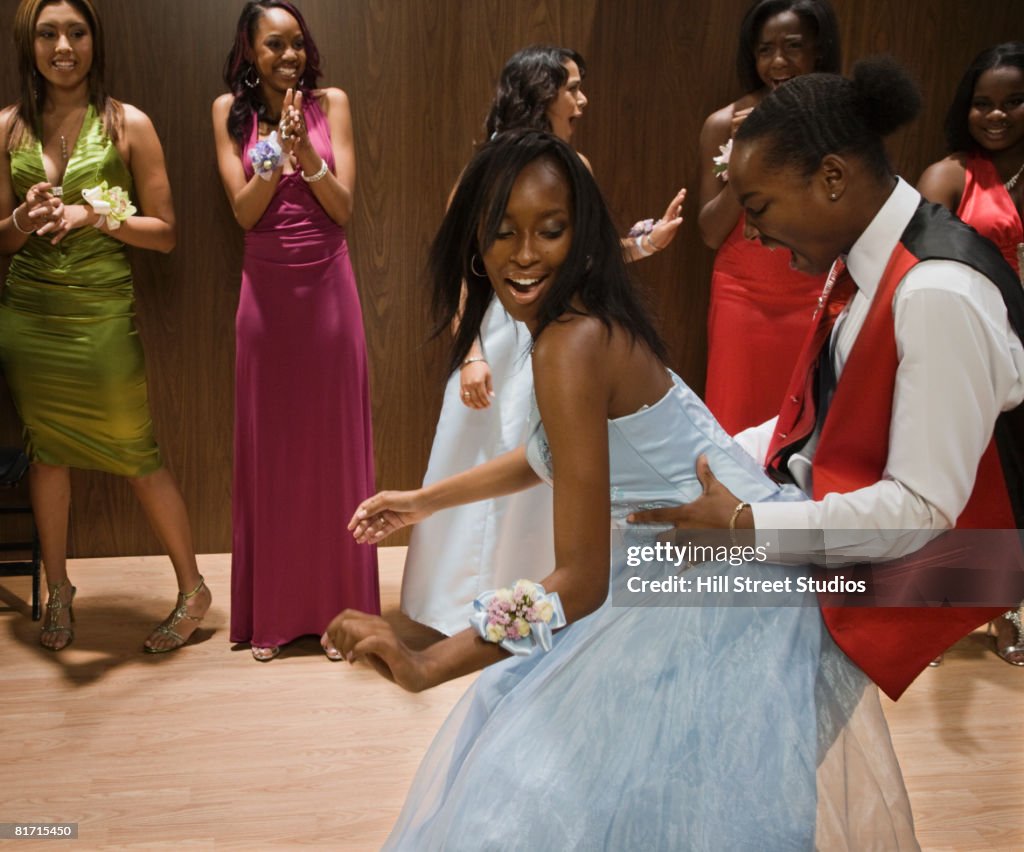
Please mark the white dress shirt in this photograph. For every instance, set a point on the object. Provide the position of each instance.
(960, 364)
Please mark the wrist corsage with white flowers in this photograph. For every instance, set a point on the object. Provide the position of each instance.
(112, 203)
(720, 164)
(519, 619)
(266, 156)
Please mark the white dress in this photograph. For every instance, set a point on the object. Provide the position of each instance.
(456, 555)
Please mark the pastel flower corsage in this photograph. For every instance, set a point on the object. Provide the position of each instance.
(644, 226)
(519, 619)
(112, 203)
(720, 164)
(641, 233)
(266, 156)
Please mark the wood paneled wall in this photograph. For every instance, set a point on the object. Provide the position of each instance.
(419, 74)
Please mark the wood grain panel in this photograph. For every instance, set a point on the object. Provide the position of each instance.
(420, 76)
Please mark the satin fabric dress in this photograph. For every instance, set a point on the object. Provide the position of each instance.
(663, 727)
(68, 342)
(303, 440)
(759, 312)
(456, 555)
(987, 207)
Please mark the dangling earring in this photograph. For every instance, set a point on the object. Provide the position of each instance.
(35, 83)
(473, 269)
(251, 78)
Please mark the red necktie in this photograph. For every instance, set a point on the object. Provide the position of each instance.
(797, 418)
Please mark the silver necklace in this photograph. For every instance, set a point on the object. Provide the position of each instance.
(1012, 182)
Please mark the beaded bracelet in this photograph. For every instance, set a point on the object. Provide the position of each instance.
(14, 219)
(318, 175)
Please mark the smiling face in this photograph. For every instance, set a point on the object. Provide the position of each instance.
(785, 48)
(532, 241)
(568, 104)
(279, 50)
(63, 45)
(996, 117)
(786, 211)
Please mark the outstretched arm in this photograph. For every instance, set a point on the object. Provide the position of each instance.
(571, 376)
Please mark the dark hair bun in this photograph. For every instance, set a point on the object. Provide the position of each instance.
(887, 95)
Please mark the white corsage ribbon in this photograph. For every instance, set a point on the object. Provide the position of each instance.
(266, 156)
(720, 164)
(112, 203)
(519, 619)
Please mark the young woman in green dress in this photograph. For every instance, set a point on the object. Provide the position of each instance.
(76, 165)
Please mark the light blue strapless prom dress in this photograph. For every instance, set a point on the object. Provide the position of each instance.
(676, 728)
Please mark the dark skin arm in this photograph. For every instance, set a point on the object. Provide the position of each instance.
(711, 511)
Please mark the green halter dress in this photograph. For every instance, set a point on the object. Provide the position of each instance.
(68, 342)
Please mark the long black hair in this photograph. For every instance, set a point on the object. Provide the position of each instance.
(958, 133)
(818, 15)
(593, 274)
(529, 82)
(818, 114)
(239, 70)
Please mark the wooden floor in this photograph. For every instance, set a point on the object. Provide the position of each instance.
(205, 748)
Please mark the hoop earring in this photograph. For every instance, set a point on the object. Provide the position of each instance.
(252, 72)
(473, 269)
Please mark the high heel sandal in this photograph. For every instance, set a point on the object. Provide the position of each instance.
(54, 608)
(265, 655)
(1014, 617)
(332, 653)
(174, 619)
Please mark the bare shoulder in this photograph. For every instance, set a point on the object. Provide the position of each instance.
(135, 120)
(222, 105)
(954, 165)
(574, 343)
(7, 117)
(720, 120)
(585, 162)
(331, 98)
(943, 181)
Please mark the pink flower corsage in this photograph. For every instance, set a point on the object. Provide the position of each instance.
(520, 619)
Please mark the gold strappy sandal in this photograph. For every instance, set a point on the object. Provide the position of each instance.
(54, 609)
(1017, 647)
(174, 619)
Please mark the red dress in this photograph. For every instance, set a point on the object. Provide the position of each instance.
(987, 207)
(759, 312)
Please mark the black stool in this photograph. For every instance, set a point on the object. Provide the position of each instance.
(13, 464)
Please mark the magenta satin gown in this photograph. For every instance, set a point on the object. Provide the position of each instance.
(303, 441)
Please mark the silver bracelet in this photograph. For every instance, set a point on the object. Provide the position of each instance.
(319, 173)
(640, 247)
(14, 219)
(654, 247)
(473, 361)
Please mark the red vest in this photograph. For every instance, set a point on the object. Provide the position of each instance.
(892, 645)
